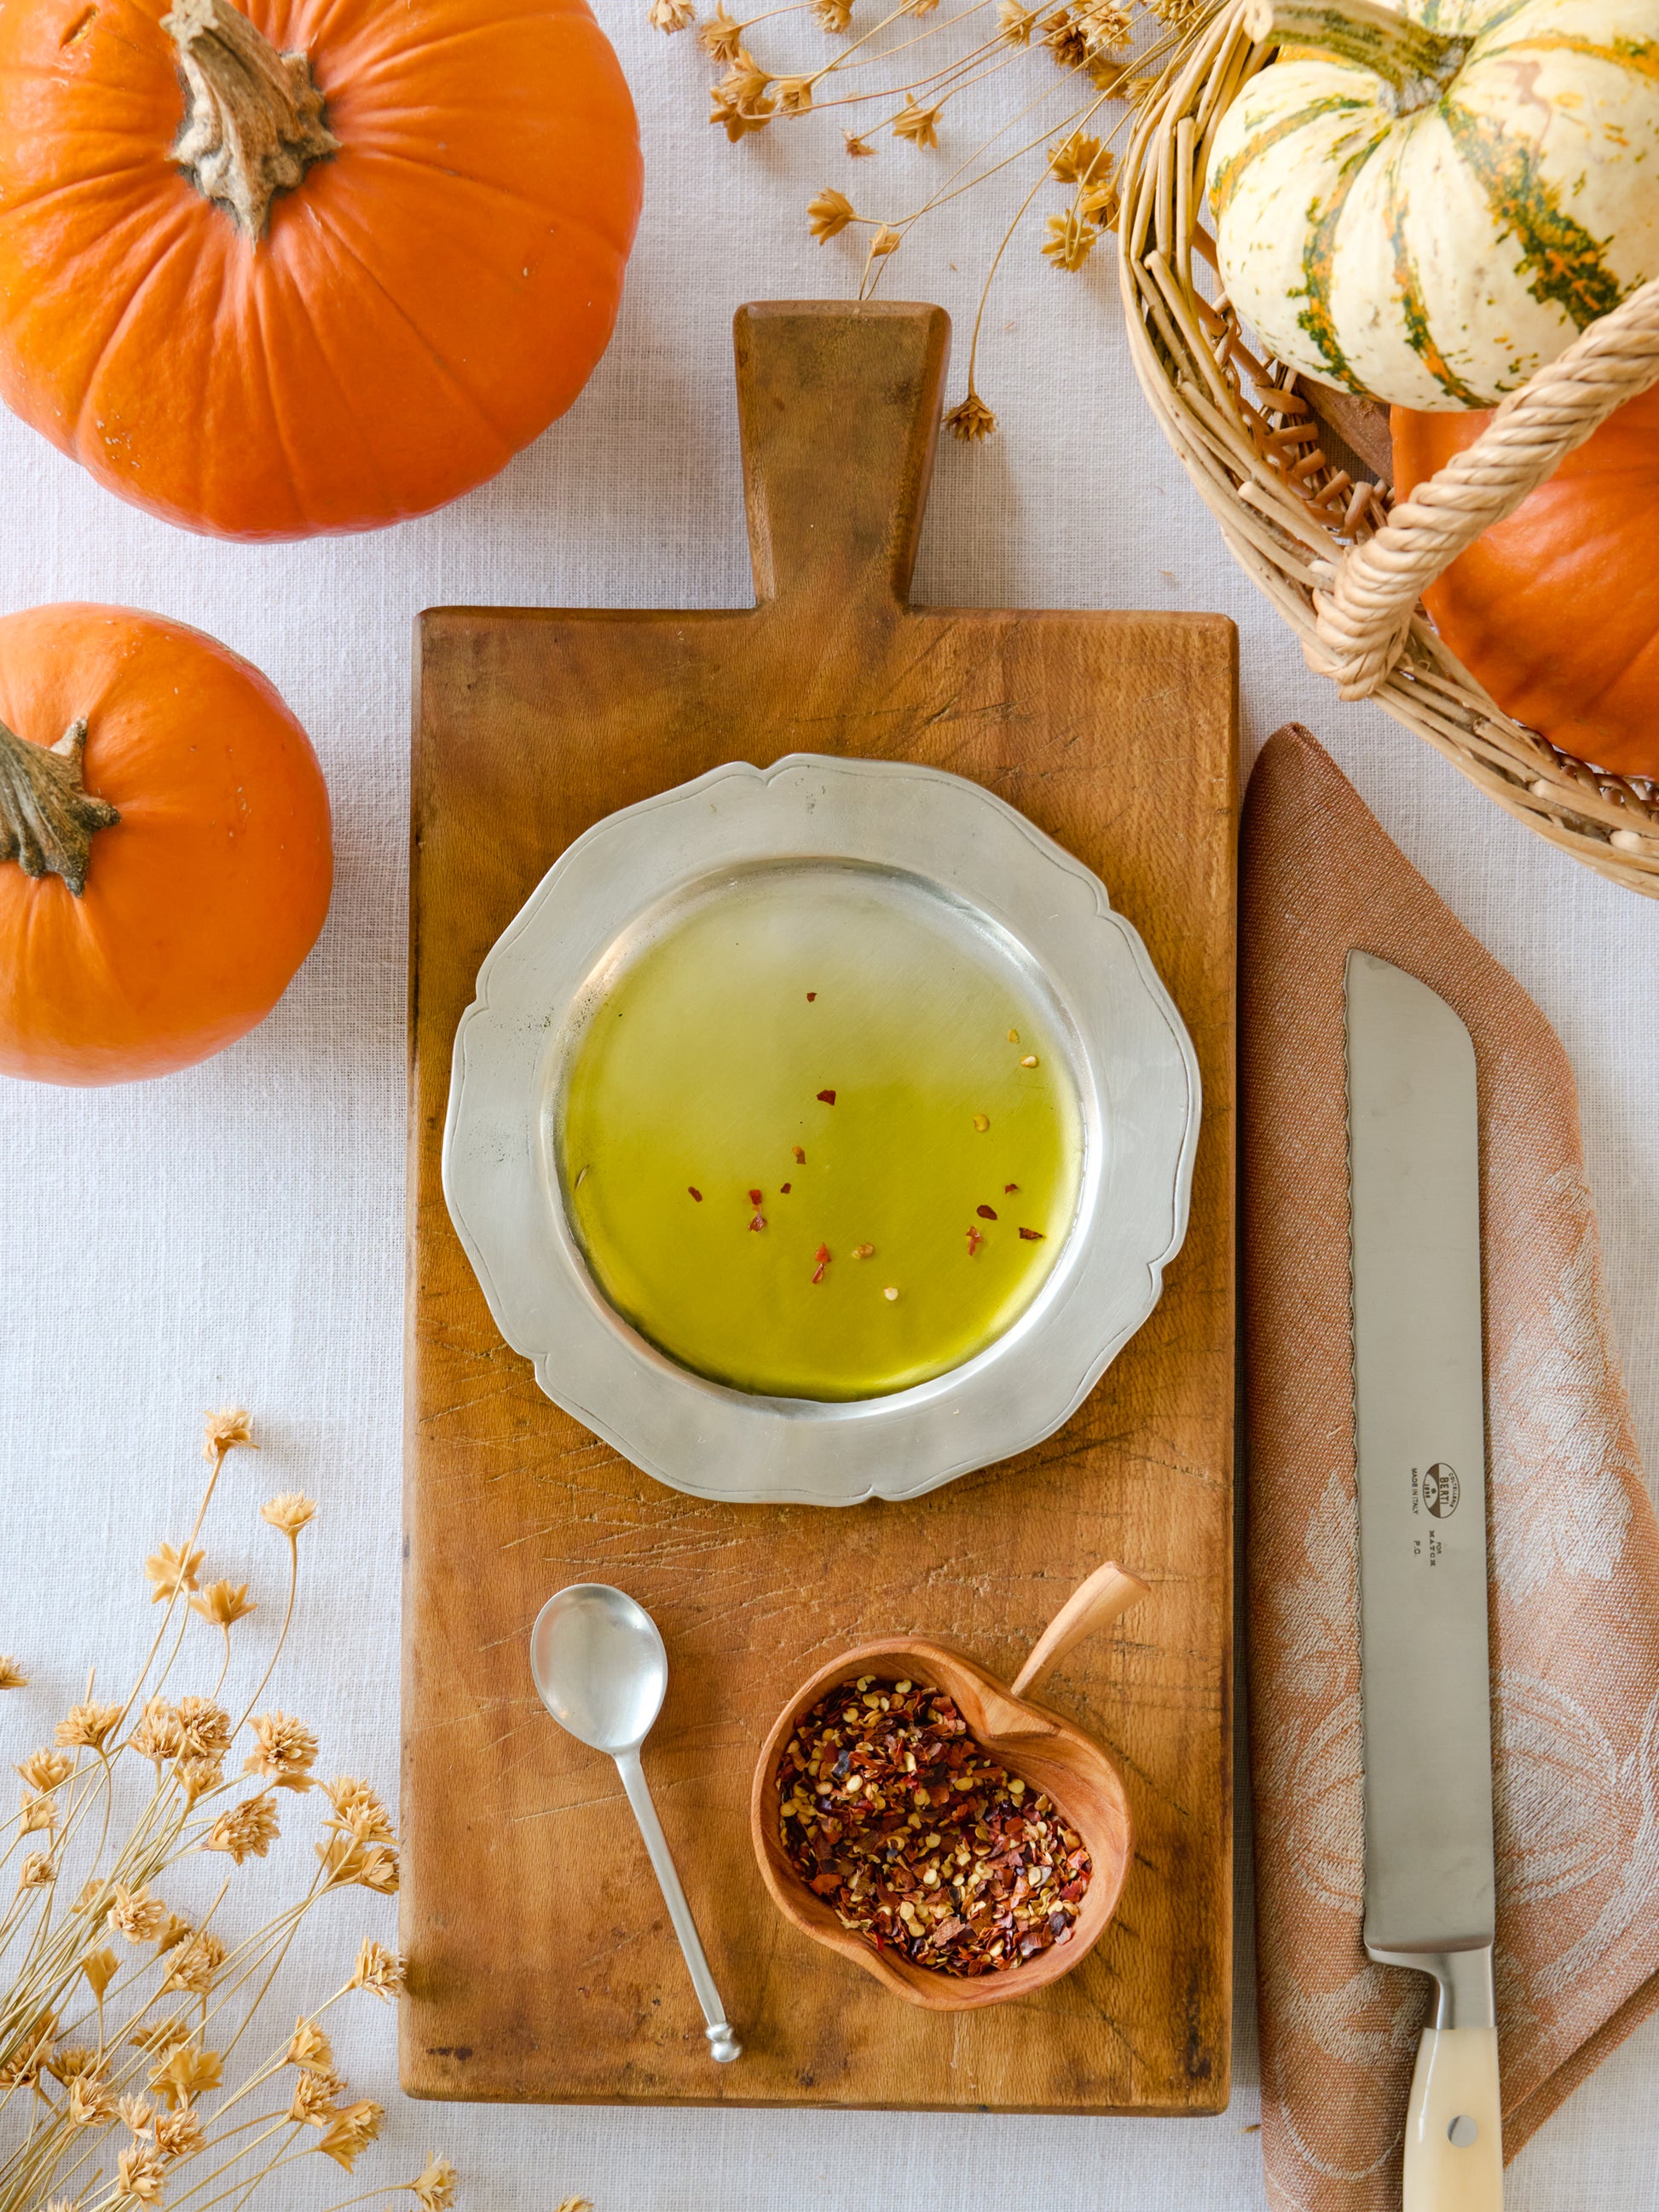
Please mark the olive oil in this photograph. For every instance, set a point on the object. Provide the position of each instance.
(818, 1138)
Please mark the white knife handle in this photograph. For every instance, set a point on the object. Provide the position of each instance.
(1454, 2125)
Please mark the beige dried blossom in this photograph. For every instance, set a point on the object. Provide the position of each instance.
(358, 1809)
(172, 1931)
(223, 1603)
(737, 120)
(313, 2104)
(1100, 204)
(12, 1676)
(71, 2060)
(136, 2114)
(721, 37)
(204, 1728)
(193, 1964)
(434, 2187)
(917, 7)
(377, 1970)
(37, 1871)
(31, 2052)
(172, 1568)
(224, 1431)
(886, 240)
(831, 14)
(179, 2135)
(45, 1770)
(291, 1510)
(576, 2204)
(139, 2175)
(1102, 24)
(247, 1831)
(1064, 41)
(309, 2048)
(370, 1866)
(136, 1914)
(351, 2132)
(36, 1813)
(970, 419)
(88, 1726)
(671, 16)
(828, 214)
(795, 96)
(100, 1968)
(1071, 241)
(158, 1735)
(91, 2102)
(856, 148)
(1074, 161)
(918, 124)
(195, 1776)
(189, 2073)
(1015, 24)
(161, 2035)
(284, 1750)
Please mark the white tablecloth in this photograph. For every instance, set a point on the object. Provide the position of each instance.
(235, 1234)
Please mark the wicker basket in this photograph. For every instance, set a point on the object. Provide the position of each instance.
(1344, 569)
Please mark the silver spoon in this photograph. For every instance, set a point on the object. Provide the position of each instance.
(601, 1671)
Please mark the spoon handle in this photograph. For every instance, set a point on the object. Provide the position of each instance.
(722, 2043)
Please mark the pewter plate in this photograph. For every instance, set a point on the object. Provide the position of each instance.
(1131, 1062)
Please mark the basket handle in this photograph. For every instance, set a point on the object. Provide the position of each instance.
(1365, 616)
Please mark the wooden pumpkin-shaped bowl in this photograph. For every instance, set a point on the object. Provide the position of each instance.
(1046, 1752)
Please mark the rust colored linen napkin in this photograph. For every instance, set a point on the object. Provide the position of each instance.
(1575, 1558)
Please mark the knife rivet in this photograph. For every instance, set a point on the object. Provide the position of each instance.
(1462, 2131)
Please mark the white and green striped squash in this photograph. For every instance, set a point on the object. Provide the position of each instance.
(1426, 203)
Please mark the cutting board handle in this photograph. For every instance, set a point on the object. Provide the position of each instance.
(838, 407)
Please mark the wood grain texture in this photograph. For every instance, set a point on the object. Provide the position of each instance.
(542, 1965)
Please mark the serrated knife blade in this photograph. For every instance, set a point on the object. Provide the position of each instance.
(1420, 1417)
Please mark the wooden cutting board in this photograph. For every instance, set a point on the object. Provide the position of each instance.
(542, 1964)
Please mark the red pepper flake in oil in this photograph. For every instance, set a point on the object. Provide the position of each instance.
(1032, 1235)
(921, 1842)
(759, 1222)
(975, 1238)
(985, 1213)
(755, 1197)
(822, 1255)
(864, 1251)
(1009, 1188)
(694, 1192)
(783, 1190)
(801, 1156)
(828, 1098)
(810, 995)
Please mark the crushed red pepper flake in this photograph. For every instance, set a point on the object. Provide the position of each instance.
(810, 995)
(801, 1156)
(985, 1213)
(755, 1197)
(822, 1255)
(759, 1222)
(1008, 1189)
(783, 1190)
(1032, 1235)
(864, 1251)
(921, 1841)
(694, 1192)
(975, 1238)
(828, 1096)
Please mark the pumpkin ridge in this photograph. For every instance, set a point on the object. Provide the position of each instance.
(445, 367)
(1414, 308)
(1318, 263)
(1640, 57)
(1567, 261)
(89, 433)
(1224, 182)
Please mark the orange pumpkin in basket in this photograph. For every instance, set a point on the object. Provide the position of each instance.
(164, 860)
(306, 264)
(1556, 610)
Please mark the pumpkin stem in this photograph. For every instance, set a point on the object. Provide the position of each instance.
(47, 816)
(1414, 61)
(254, 121)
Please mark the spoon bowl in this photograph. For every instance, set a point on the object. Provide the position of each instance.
(599, 1666)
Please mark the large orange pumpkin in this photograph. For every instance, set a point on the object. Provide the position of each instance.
(1556, 611)
(314, 264)
(165, 861)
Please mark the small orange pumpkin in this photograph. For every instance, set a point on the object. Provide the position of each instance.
(307, 264)
(165, 858)
(1556, 610)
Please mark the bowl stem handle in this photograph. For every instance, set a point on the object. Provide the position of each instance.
(1096, 1604)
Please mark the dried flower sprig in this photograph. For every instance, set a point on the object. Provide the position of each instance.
(120, 2084)
(1085, 66)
